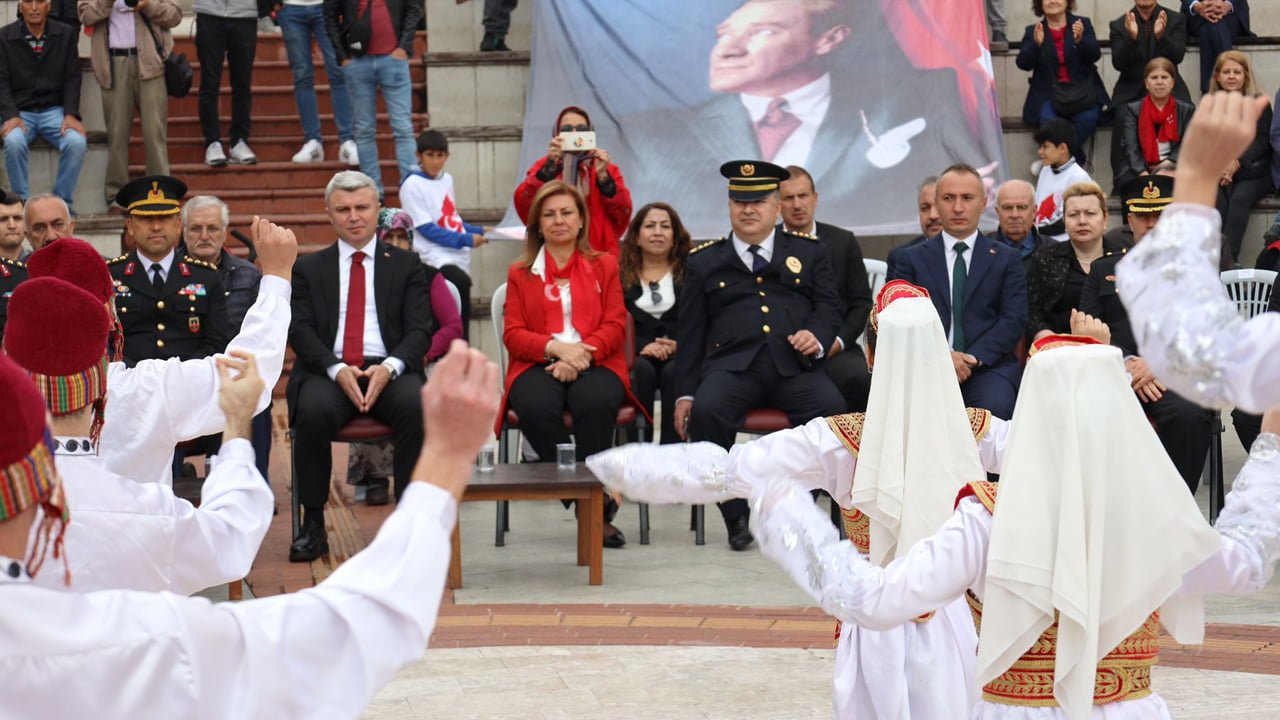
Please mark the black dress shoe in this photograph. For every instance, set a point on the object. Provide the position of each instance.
(376, 492)
(739, 536)
(616, 540)
(312, 541)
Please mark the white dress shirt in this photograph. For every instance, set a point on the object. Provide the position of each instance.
(569, 334)
(743, 248)
(165, 263)
(138, 536)
(157, 404)
(948, 247)
(374, 347)
(667, 291)
(809, 105)
(320, 653)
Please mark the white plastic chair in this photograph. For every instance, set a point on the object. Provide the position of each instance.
(1249, 289)
(457, 296)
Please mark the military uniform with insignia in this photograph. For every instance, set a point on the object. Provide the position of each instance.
(12, 272)
(1183, 426)
(180, 313)
(734, 323)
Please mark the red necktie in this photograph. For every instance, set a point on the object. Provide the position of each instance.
(775, 127)
(353, 334)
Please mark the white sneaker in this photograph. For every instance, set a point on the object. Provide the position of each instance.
(348, 153)
(213, 155)
(241, 154)
(312, 152)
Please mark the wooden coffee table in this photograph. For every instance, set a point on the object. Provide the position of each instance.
(542, 481)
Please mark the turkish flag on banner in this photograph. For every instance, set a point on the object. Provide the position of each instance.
(948, 34)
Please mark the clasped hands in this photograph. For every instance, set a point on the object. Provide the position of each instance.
(348, 379)
(571, 359)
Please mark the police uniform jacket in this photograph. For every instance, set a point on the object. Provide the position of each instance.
(728, 313)
(1099, 299)
(12, 272)
(187, 319)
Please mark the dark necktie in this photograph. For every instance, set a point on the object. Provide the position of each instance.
(353, 333)
(157, 279)
(774, 127)
(758, 263)
(959, 273)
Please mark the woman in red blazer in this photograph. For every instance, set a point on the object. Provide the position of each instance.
(564, 328)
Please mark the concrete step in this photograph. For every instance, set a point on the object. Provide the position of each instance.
(266, 175)
(473, 88)
(188, 148)
(457, 28)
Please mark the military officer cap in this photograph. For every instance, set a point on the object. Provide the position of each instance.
(152, 195)
(1148, 193)
(752, 179)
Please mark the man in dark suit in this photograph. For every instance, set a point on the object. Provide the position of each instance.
(1215, 24)
(980, 290)
(171, 305)
(930, 220)
(361, 324)
(782, 97)
(1016, 213)
(845, 363)
(1183, 426)
(758, 312)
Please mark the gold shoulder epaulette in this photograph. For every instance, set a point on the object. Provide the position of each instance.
(115, 260)
(706, 245)
(15, 263)
(199, 263)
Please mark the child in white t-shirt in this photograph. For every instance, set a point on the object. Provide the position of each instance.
(440, 236)
(1060, 171)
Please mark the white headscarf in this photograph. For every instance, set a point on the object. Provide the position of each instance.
(917, 447)
(1093, 523)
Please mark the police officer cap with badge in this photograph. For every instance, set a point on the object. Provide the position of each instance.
(12, 272)
(757, 312)
(170, 304)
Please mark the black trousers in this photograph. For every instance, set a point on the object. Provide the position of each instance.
(540, 400)
(1235, 202)
(462, 281)
(323, 409)
(1248, 427)
(723, 399)
(497, 16)
(649, 377)
(848, 370)
(1183, 428)
(234, 40)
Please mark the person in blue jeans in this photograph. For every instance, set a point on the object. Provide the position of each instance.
(373, 40)
(300, 21)
(40, 96)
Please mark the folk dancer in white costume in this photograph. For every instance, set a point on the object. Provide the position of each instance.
(320, 653)
(125, 534)
(157, 404)
(1188, 330)
(1062, 574)
(895, 474)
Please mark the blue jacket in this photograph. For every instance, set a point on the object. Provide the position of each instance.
(995, 305)
(1042, 61)
(240, 280)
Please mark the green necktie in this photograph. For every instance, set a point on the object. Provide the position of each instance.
(959, 273)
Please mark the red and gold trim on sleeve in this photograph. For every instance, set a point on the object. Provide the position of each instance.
(1124, 674)
(984, 491)
(979, 421)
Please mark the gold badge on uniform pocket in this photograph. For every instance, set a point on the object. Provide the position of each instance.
(793, 264)
(193, 324)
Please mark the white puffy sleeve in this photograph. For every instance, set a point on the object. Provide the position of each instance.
(1186, 327)
(1249, 526)
(662, 474)
(794, 533)
(991, 445)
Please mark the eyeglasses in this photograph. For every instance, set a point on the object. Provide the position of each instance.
(654, 294)
(575, 128)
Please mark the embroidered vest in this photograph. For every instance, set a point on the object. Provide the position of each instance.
(857, 526)
(1124, 674)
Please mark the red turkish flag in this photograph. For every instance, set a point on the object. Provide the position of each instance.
(449, 218)
(1048, 210)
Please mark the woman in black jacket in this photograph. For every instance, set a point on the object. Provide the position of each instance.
(652, 272)
(1061, 52)
(1151, 129)
(1240, 189)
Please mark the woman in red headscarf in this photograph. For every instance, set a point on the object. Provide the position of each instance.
(599, 181)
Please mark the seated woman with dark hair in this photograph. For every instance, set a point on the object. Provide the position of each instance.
(1241, 188)
(652, 269)
(1061, 51)
(1151, 129)
(564, 325)
(1057, 272)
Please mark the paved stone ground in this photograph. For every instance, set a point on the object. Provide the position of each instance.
(677, 630)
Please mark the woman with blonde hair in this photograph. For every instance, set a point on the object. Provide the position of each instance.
(1249, 178)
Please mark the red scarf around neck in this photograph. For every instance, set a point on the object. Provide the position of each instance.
(584, 291)
(1148, 137)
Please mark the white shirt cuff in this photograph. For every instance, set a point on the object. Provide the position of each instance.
(431, 500)
(333, 370)
(395, 364)
(278, 286)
